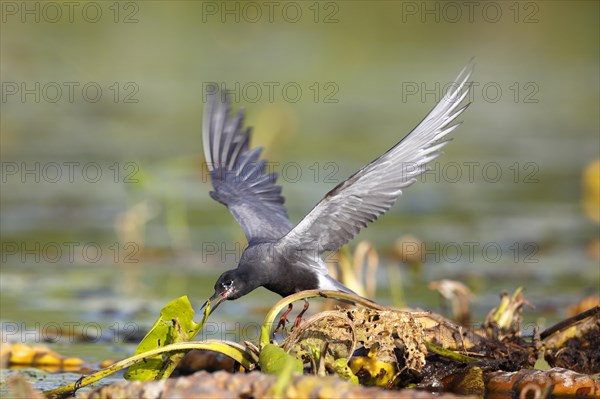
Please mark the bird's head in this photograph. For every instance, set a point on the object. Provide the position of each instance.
(231, 285)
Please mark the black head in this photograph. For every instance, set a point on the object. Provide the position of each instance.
(231, 285)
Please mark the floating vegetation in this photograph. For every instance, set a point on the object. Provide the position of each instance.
(337, 351)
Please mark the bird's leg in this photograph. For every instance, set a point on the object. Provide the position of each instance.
(299, 317)
(283, 318)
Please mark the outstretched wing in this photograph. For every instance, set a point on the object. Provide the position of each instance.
(238, 175)
(371, 191)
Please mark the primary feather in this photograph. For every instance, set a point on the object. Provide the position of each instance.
(371, 191)
(238, 175)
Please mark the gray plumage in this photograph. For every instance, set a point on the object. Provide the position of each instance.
(286, 258)
(238, 175)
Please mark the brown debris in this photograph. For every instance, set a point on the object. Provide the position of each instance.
(574, 343)
(257, 385)
(468, 381)
(378, 344)
(196, 360)
(333, 328)
(556, 381)
(459, 296)
(391, 330)
(19, 388)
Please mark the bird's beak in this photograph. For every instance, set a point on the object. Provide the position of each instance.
(218, 297)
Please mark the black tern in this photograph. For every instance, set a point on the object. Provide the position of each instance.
(287, 259)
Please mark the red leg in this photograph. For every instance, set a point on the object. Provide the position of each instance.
(299, 318)
(283, 318)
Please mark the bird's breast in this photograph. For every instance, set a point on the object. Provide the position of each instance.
(291, 278)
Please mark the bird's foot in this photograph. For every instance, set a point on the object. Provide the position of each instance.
(283, 319)
(299, 317)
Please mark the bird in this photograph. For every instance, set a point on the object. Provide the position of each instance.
(286, 258)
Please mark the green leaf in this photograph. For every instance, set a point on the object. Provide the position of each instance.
(541, 364)
(175, 324)
(273, 360)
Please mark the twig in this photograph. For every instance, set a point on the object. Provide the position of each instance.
(570, 321)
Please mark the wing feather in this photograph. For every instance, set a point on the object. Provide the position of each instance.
(372, 191)
(238, 175)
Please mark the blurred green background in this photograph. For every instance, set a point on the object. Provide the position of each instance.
(105, 212)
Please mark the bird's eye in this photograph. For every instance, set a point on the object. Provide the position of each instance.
(228, 284)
